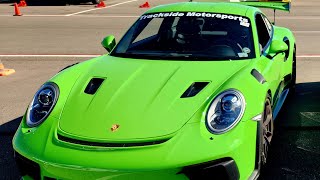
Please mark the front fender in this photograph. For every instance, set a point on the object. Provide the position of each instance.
(253, 91)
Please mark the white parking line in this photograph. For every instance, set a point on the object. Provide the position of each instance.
(308, 32)
(298, 17)
(100, 8)
(103, 16)
(97, 55)
(309, 56)
(44, 15)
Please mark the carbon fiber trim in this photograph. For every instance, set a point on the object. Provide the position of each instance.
(225, 169)
(256, 74)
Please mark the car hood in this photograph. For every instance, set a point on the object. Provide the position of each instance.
(142, 98)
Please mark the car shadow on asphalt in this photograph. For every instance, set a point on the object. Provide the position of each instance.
(8, 168)
(295, 149)
(294, 153)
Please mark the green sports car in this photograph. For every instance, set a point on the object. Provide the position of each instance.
(189, 92)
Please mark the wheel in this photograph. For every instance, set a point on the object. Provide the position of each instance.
(95, 1)
(267, 130)
(265, 134)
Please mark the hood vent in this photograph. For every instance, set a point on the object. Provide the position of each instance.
(93, 85)
(194, 89)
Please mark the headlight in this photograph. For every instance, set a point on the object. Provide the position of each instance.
(225, 111)
(42, 104)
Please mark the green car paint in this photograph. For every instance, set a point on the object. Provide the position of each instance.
(141, 98)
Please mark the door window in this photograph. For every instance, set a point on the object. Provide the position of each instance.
(263, 33)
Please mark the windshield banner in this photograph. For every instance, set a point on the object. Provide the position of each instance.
(243, 21)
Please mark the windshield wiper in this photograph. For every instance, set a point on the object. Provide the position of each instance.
(174, 56)
(179, 55)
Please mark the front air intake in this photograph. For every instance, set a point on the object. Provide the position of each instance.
(110, 144)
(194, 89)
(93, 85)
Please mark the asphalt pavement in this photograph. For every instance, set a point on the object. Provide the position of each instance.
(47, 38)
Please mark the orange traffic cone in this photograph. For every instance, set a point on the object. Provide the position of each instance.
(5, 72)
(17, 10)
(101, 4)
(145, 5)
(22, 3)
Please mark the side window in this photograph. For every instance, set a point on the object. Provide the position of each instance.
(268, 24)
(263, 33)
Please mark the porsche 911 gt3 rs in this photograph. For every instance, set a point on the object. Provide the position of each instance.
(190, 92)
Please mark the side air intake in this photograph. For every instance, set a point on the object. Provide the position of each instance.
(93, 85)
(194, 89)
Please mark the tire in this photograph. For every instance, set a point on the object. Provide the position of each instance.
(95, 1)
(265, 134)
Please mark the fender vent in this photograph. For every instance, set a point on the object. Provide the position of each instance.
(93, 85)
(256, 74)
(194, 89)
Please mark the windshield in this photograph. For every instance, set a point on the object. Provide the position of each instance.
(188, 36)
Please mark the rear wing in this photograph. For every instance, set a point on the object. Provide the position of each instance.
(283, 5)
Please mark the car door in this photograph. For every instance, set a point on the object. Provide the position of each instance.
(271, 65)
(281, 58)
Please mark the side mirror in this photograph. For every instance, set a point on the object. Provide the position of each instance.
(278, 46)
(109, 43)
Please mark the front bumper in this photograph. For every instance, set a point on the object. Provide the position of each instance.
(191, 153)
(220, 169)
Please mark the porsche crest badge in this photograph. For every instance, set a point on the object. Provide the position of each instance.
(115, 127)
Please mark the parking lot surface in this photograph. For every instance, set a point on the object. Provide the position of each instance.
(48, 38)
